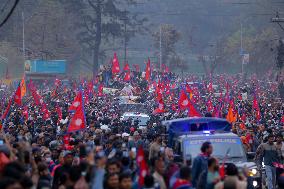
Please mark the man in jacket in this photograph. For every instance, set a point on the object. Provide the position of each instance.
(200, 163)
(269, 153)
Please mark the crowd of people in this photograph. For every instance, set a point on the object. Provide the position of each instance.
(37, 151)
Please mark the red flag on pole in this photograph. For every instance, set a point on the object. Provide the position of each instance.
(183, 101)
(148, 70)
(126, 67)
(77, 102)
(78, 121)
(115, 65)
(192, 111)
(143, 168)
(256, 108)
(100, 90)
(209, 106)
(7, 110)
(46, 113)
(160, 108)
(127, 76)
(18, 96)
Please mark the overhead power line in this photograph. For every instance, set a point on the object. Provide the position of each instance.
(10, 13)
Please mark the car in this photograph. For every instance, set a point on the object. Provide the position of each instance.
(186, 135)
(136, 116)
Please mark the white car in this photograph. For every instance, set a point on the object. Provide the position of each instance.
(143, 118)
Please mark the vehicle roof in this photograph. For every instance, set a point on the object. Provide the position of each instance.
(134, 114)
(183, 126)
(193, 120)
(216, 135)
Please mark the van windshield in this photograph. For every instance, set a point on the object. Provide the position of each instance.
(221, 146)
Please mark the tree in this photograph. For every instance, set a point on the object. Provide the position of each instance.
(103, 22)
(260, 45)
(169, 37)
(280, 55)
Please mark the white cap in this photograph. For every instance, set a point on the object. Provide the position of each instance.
(125, 135)
(104, 127)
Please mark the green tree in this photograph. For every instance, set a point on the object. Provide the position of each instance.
(102, 23)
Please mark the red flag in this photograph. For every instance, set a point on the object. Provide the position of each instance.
(7, 110)
(127, 76)
(18, 96)
(37, 97)
(46, 114)
(54, 93)
(77, 102)
(159, 92)
(160, 108)
(143, 168)
(282, 119)
(126, 67)
(148, 70)
(115, 65)
(78, 121)
(100, 90)
(192, 111)
(90, 88)
(222, 171)
(210, 87)
(57, 82)
(256, 108)
(183, 101)
(209, 106)
(255, 103)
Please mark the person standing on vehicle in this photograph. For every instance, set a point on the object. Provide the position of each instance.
(200, 163)
(269, 153)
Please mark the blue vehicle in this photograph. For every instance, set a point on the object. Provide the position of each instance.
(186, 135)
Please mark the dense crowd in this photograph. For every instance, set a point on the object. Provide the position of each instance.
(37, 151)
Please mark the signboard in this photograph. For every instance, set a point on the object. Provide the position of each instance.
(245, 58)
(45, 66)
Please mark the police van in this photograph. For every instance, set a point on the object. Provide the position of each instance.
(186, 135)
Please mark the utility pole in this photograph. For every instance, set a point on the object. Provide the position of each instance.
(160, 47)
(242, 53)
(24, 47)
(125, 37)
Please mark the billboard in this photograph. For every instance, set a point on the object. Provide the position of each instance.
(45, 66)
